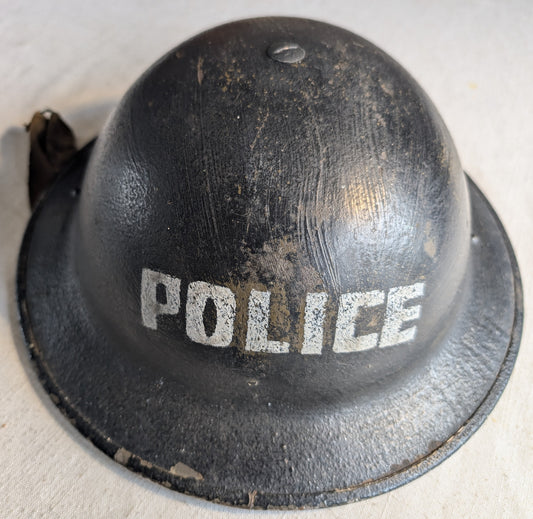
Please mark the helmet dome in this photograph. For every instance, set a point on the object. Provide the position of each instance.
(302, 222)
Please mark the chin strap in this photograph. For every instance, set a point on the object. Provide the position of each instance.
(52, 146)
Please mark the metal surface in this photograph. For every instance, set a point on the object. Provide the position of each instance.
(333, 193)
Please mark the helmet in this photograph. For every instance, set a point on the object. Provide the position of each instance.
(269, 282)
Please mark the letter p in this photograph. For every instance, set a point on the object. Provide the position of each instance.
(150, 306)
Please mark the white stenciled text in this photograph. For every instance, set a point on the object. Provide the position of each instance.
(401, 304)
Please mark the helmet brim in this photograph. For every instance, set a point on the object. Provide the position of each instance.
(275, 456)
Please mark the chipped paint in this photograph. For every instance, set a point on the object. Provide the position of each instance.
(184, 471)
(430, 245)
(200, 71)
(430, 248)
(122, 456)
(251, 498)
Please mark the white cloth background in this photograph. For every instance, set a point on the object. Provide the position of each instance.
(474, 59)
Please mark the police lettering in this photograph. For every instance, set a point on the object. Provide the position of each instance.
(346, 339)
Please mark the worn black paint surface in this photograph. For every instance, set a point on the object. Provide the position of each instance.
(222, 165)
(334, 173)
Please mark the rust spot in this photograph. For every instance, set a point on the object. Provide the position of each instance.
(282, 267)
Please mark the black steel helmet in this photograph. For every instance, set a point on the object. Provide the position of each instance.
(269, 281)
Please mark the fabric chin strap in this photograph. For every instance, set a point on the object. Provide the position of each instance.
(52, 146)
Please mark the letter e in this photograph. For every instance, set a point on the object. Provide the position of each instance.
(397, 315)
